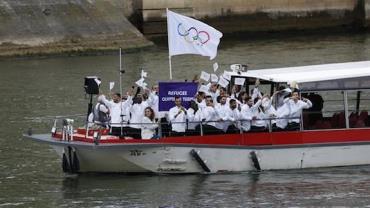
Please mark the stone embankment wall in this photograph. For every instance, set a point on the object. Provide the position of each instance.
(57, 26)
(258, 15)
(73, 26)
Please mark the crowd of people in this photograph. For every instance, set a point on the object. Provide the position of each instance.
(212, 112)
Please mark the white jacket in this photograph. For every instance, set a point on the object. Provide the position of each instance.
(178, 122)
(148, 128)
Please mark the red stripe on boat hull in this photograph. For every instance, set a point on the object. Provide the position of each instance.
(253, 139)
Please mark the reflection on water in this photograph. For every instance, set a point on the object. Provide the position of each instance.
(281, 188)
(34, 90)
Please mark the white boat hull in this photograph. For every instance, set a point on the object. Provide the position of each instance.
(178, 159)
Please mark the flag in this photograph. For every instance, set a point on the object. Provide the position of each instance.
(205, 76)
(144, 73)
(189, 36)
(140, 82)
(223, 82)
(214, 78)
(215, 67)
(111, 85)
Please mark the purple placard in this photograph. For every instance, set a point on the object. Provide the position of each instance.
(169, 90)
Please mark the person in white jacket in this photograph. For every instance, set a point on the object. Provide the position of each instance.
(148, 124)
(118, 113)
(233, 117)
(222, 110)
(177, 116)
(246, 115)
(137, 114)
(210, 118)
(295, 105)
(194, 115)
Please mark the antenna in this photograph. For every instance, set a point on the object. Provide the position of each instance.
(121, 71)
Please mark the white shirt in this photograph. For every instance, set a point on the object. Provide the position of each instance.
(214, 95)
(269, 110)
(223, 112)
(282, 114)
(193, 118)
(153, 102)
(278, 98)
(295, 108)
(260, 119)
(235, 95)
(202, 104)
(178, 122)
(209, 115)
(233, 117)
(118, 109)
(256, 93)
(246, 117)
(137, 114)
(255, 113)
(148, 128)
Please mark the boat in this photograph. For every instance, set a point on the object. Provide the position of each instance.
(340, 136)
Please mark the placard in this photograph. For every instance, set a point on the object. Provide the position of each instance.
(169, 90)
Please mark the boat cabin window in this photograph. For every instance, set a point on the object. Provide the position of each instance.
(358, 108)
(328, 110)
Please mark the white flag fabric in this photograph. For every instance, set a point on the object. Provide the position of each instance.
(111, 85)
(189, 36)
(215, 67)
(239, 81)
(223, 82)
(140, 82)
(144, 74)
(205, 76)
(203, 88)
(214, 78)
(226, 75)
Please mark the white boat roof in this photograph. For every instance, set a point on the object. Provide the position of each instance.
(312, 73)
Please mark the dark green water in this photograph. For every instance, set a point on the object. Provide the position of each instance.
(33, 89)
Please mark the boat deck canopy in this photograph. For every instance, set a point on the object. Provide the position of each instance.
(351, 75)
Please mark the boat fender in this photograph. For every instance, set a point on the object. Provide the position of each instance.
(65, 164)
(255, 161)
(70, 159)
(75, 163)
(29, 132)
(200, 161)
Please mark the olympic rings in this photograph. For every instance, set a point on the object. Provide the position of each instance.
(192, 35)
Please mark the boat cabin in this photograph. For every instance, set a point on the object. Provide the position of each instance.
(340, 96)
(340, 93)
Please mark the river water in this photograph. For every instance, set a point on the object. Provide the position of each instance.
(35, 89)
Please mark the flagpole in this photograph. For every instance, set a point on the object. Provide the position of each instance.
(120, 71)
(120, 87)
(168, 38)
(169, 59)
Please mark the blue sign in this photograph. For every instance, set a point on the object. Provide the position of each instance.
(169, 90)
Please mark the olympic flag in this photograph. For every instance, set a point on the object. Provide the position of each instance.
(190, 36)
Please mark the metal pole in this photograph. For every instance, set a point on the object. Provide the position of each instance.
(358, 98)
(89, 110)
(120, 86)
(345, 98)
(201, 128)
(168, 38)
(120, 70)
(170, 63)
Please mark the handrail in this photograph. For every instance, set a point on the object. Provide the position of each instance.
(199, 127)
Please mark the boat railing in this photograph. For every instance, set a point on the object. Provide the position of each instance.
(163, 128)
